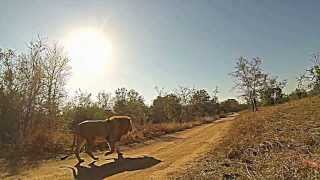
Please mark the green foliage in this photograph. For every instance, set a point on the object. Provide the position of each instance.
(83, 108)
(8, 95)
(297, 94)
(271, 92)
(232, 105)
(104, 101)
(249, 79)
(31, 89)
(310, 80)
(184, 105)
(130, 103)
(202, 105)
(166, 108)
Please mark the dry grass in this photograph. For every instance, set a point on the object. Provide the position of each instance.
(150, 131)
(280, 142)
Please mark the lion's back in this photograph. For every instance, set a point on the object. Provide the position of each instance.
(92, 128)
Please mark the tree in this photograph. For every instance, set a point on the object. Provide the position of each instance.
(201, 103)
(298, 93)
(249, 78)
(166, 108)
(32, 88)
(231, 105)
(185, 95)
(55, 72)
(215, 95)
(105, 101)
(130, 103)
(197, 102)
(81, 107)
(9, 97)
(311, 78)
(272, 91)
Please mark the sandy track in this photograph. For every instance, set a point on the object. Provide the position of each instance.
(156, 159)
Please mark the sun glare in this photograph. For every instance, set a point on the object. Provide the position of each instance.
(88, 48)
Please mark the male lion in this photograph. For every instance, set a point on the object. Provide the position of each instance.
(111, 129)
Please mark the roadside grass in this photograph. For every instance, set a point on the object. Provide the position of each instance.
(150, 131)
(279, 142)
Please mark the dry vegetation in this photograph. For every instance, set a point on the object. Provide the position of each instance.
(279, 142)
(150, 131)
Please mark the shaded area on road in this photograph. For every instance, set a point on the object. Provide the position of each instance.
(95, 172)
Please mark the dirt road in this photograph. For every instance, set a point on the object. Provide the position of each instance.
(156, 159)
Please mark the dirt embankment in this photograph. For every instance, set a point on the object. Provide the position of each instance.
(277, 142)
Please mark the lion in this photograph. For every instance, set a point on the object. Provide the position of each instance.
(111, 130)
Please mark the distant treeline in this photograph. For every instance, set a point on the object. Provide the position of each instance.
(33, 98)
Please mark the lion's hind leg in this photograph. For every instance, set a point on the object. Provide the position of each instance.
(79, 143)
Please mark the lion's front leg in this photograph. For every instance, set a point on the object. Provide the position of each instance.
(108, 146)
(118, 150)
(114, 147)
(120, 155)
(90, 144)
(111, 146)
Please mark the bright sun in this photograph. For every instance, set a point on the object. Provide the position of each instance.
(88, 48)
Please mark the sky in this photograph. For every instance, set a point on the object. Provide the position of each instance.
(169, 43)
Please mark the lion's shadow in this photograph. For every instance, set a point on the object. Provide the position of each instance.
(118, 166)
